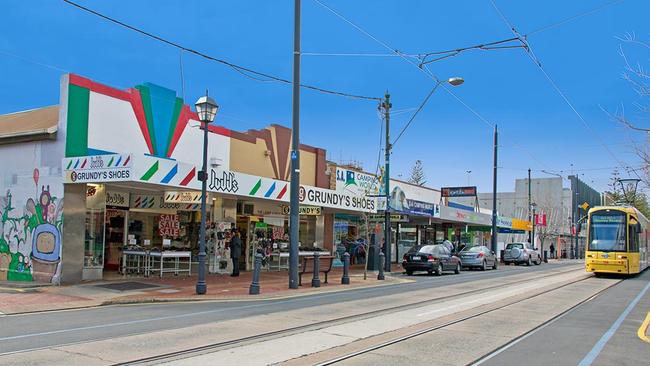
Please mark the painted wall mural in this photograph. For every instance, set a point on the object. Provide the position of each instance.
(30, 236)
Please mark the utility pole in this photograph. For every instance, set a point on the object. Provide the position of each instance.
(494, 194)
(294, 220)
(530, 202)
(577, 217)
(386, 105)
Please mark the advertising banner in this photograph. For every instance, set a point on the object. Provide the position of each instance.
(355, 182)
(540, 219)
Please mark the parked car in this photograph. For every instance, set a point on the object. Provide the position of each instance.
(519, 253)
(431, 258)
(478, 257)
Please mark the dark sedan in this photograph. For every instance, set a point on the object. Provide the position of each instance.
(478, 257)
(430, 258)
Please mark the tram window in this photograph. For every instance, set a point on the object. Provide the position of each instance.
(607, 232)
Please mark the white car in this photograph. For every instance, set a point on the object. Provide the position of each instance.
(519, 253)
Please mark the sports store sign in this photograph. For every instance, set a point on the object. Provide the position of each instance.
(172, 173)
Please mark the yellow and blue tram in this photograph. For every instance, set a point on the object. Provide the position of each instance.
(617, 240)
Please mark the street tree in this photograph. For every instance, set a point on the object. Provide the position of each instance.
(417, 174)
(554, 223)
(639, 79)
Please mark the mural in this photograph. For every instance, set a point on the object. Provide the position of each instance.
(30, 237)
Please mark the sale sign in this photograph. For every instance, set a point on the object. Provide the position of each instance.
(169, 226)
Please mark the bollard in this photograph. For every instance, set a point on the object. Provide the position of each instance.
(255, 285)
(546, 256)
(345, 280)
(382, 263)
(315, 281)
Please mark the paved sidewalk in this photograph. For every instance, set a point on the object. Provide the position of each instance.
(16, 300)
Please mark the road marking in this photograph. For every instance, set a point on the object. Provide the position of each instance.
(598, 347)
(643, 329)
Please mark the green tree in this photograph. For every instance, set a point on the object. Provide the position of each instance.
(417, 174)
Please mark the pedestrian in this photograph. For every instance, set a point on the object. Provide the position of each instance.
(235, 253)
(552, 248)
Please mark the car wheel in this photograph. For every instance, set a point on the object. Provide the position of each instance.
(494, 266)
(409, 273)
(539, 261)
(484, 265)
(430, 272)
(529, 263)
(439, 270)
(457, 270)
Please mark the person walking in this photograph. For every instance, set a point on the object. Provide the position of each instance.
(235, 253)
(552, 249)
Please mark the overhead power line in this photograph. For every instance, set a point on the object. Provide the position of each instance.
(535, 60)
(250, 73)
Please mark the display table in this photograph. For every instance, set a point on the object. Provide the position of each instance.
(157, 262)
(134, 261)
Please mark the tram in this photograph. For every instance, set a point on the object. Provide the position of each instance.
(618, 240)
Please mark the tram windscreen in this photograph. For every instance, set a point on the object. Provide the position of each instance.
(607, 232)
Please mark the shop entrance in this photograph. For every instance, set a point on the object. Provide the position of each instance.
(115, 228)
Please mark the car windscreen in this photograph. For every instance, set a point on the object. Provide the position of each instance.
(515, 245)
(607, 231)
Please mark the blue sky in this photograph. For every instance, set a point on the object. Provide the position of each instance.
(42, 39)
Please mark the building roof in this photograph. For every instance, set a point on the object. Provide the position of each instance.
(31, 125)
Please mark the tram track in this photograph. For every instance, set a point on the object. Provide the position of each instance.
(485, 357)
(217, 346)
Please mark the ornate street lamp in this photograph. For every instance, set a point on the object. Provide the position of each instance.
(206, 108)
(629, 186)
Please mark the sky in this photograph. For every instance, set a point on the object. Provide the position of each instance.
(41, 40)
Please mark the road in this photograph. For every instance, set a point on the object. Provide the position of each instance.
(50, 329)
(580, 337)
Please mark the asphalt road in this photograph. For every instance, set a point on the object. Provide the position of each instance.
(581, 336)
(38, 330)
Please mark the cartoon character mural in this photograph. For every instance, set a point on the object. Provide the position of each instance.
(30, 242)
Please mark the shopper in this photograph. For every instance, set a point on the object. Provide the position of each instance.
(552, 248)
(235, 253)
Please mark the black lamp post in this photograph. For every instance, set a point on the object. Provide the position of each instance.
(206, 108)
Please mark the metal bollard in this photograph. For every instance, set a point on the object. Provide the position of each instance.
(257, 268)
(345, 280)
(382, 263)
(315, 281)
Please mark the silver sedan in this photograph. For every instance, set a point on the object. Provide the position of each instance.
(478, 257)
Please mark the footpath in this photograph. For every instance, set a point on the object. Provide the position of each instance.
(18, 298)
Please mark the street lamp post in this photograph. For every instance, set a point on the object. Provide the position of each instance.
(206, 108)
(385, 106)
(532, 207)
(493, 244)
(294, 219)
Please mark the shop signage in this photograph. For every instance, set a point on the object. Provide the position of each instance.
(505, 230)
(469, 217)
(117, 199)
(330, 198)
(458, 191)
(304, 210)
(155, 202)
(97, 168)
(356, 182)
(518, 224)
(223, 182)
(504, 222)
(393, 218)
(182, 197)
(169, 226)
(422, 208)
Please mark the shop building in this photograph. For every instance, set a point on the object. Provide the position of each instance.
(107, 169)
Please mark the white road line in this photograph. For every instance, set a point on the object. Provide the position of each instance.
(598, 347)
